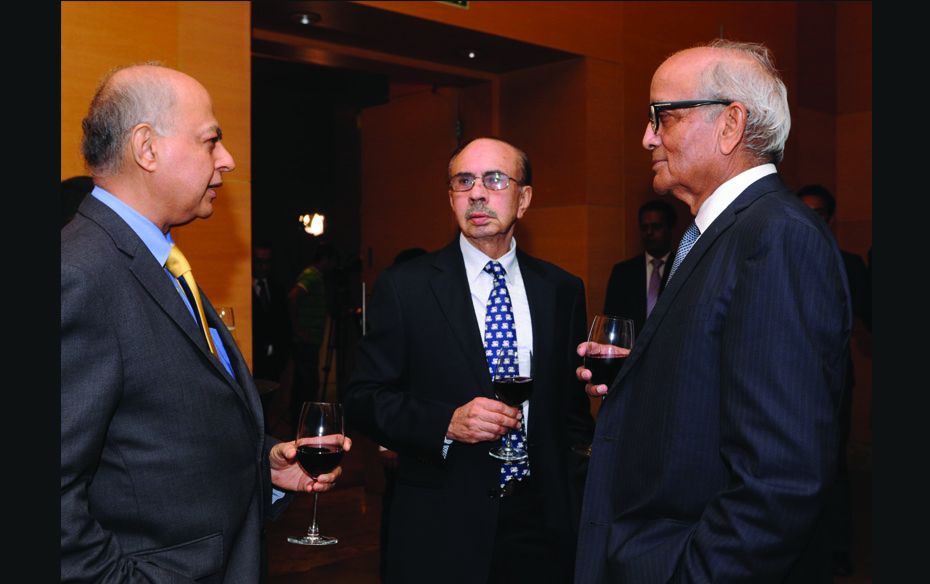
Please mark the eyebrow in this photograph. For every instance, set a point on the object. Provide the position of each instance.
(482, 174)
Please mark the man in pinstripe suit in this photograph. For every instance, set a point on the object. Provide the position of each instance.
(717, 440)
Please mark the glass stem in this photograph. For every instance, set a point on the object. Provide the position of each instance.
(314, 530)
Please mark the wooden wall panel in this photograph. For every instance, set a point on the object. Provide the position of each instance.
(406, 145)
(95, 39)
(854, 181)
(210, 41)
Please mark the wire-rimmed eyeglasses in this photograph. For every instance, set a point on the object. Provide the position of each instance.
(492, 180)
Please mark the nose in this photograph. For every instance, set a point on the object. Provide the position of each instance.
(224, 160)
(479, 192)
(651, 140)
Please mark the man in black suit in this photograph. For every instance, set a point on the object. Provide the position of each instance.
(422, 387)
(716, 443)
(166, 472)
(635, 284)
(821, 200)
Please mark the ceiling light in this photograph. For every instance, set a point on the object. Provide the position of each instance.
(306, 18)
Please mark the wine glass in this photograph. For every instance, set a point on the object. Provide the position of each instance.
(513, 384)
(319, 440)
(610, 342)
(228, 316)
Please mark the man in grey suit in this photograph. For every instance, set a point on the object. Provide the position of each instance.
(716, 443)
(166, 472)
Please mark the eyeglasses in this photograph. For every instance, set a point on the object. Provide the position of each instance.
(657, 107)
(492, 180)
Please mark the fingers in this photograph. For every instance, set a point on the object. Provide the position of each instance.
(596, 390)
(583, 374)
(483, 419)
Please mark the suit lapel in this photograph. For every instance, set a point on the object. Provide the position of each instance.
(541, 299)
(704, 243)
(450, 287)
(157, 283)
(245, 386)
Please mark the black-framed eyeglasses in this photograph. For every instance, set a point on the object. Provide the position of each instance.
(492, 180)
(657, 107)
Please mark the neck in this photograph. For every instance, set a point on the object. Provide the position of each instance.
(493, 247)
(135, 194)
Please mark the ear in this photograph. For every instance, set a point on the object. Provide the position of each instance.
(526, 195)
(142, 143)
(733, 120)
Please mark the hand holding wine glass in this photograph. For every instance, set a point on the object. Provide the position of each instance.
(513, 385)
(609, 343)
(319, 442)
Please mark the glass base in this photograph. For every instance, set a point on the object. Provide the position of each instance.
(313, 540)
(582, 449)
(508, 454)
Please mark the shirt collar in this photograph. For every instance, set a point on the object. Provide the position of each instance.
(476, 260)
(158, 243)
(664, 258)
(727, 193)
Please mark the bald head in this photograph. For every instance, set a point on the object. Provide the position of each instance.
(127, 97)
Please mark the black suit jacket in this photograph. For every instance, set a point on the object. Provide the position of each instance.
(717, 440)
(164, 474)
(422, 358)
(626, 289)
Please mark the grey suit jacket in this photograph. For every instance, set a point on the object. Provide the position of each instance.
(164, 474)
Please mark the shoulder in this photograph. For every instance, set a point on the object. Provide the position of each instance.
(548, 271)
(634, 263)
(85, 245)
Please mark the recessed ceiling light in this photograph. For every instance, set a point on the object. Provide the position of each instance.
(471, 54)
(306, 18)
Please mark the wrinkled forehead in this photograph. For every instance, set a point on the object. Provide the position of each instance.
(484, 155)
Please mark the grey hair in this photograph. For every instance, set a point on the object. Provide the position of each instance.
(759, 87)
(119, 106)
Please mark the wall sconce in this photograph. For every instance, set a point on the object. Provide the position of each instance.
(313, 224)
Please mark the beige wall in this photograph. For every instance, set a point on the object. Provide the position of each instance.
(210, 41)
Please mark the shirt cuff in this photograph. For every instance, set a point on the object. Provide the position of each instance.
(445, 446)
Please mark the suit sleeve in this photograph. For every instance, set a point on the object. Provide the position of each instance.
(578, 406)
(272, 508)
(378, 399)
(783, 358)
(91, 386)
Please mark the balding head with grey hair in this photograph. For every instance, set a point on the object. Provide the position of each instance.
(126, 97)
(752, 79)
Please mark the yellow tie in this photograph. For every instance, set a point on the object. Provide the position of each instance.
(179, 268)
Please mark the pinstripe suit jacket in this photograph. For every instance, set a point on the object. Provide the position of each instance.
(717, 440)
(164, 472)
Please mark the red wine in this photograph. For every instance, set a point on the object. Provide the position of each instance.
(603, 369)
(317, 460)
(513, 391)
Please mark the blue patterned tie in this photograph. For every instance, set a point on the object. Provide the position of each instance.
(500, 337)
(687, 240)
